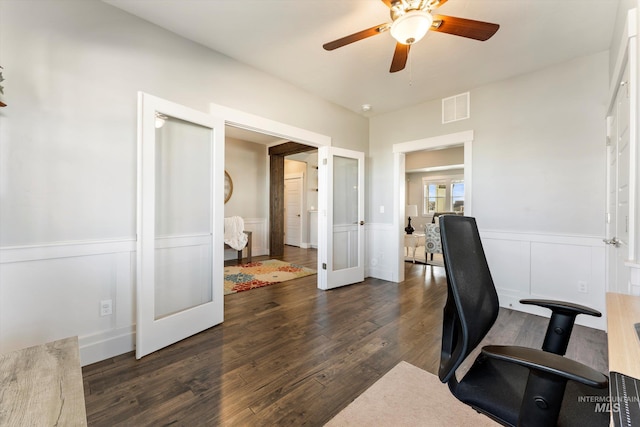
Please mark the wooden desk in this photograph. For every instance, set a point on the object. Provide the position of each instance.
(623, 311)
(42, 386)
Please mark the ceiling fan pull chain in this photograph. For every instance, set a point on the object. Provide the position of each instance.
(410, 71)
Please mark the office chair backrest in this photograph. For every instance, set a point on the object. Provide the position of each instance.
(472, 301)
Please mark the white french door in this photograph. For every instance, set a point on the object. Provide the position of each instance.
(618, 190)
(179, 222)
(341, 217)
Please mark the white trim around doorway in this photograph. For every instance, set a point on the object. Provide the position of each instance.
(252, 122)
(400, 150)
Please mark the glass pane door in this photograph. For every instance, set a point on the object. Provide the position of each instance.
(183, 256)
(341, 217)
(345, 213)
(180, 223)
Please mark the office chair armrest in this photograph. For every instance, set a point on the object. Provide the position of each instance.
(563, 317)
(548, 363)
(562, 307)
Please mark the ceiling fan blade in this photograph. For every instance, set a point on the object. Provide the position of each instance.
(399, 57)
(462, 27)
(439, 3)
(387, 2)
(356, 37)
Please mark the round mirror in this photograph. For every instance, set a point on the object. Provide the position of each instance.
(228, 187)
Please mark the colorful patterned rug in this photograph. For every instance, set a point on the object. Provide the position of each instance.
(238, 278)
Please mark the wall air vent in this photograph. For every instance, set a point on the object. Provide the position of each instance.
(455, 108)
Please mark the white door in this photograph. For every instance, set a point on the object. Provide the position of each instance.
(179, 221)
(293, 210)
(341, 217)
(618, 164)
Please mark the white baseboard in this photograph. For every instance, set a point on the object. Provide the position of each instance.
(101, 346)
(380, 273)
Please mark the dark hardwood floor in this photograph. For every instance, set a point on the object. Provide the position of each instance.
(290, 354)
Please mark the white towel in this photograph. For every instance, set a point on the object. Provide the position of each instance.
(234, 233)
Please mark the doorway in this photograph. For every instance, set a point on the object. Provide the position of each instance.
(400, 151)
(258, 165)
(298, 136)
(434, 186)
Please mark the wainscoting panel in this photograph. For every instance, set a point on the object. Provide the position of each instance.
(510, 266)
(379, 259)
(54, 291)
(523, 265)
(569, 268)
(563, 270)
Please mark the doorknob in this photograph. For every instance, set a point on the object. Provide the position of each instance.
(613, 241)
(361, 222)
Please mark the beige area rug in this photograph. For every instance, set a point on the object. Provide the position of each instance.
(238, 278)
(408, 396)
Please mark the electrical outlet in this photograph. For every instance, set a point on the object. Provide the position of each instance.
(106, 307)
(582, 287)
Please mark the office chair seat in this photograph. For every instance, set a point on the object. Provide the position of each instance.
(496, 388)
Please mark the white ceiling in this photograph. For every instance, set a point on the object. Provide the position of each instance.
(284, 38)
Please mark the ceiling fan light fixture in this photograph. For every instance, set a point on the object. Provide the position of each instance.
(411, 27)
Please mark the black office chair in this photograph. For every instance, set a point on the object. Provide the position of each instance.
(512, 385)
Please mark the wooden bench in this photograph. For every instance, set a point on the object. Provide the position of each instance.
(247, 247)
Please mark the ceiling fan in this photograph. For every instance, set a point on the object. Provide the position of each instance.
(410, 21)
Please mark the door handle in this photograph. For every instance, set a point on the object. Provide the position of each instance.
(613, 241)
(361, 222)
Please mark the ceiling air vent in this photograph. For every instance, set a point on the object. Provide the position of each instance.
(455, 108)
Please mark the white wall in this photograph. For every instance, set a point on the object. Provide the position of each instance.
(68, 157)
(72, 71)
(538, 166)
(538, 152)
(247, 165)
